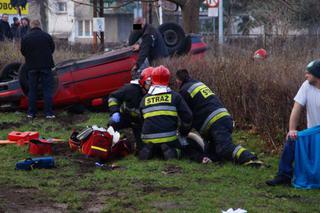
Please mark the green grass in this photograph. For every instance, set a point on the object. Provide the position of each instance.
(77, 185)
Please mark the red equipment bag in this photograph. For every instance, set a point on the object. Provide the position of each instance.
(99, 144)
(40, 147)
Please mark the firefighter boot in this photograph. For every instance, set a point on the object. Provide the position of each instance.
(243, 157)
(146, 152)
(168, 152)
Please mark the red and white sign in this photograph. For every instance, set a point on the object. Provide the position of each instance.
(211, 3)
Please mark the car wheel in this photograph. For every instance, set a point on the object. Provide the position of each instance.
(10, 72)
(23, 79)
(174, 37)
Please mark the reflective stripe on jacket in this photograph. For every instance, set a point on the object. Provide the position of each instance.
(161, 113)
(205, 105)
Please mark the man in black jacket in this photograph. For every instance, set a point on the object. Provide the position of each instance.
(212, 120)
(5, 30)
(151, 47)
(37, 47)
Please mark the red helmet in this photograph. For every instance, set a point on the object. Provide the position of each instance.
(260, 54)
(145, 76)
(160, 76)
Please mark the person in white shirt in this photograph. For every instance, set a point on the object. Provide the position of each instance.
(307, 97)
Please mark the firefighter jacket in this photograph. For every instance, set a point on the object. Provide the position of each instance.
(126, 100)
(205, 105)
(161, 108)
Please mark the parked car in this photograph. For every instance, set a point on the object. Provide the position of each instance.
(89, 81)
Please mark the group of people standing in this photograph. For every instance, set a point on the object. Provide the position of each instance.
(16, 31)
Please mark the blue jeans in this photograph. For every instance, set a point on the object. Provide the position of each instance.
(46, 77)
(286, 159)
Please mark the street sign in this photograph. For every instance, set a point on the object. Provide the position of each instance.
(213, 12)
(98, 25)
(211, 3)
(6, 7)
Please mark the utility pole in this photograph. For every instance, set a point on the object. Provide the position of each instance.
(95, 33)
(221, 39)
(101, 14)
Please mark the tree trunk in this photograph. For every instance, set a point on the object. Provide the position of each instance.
(190, 14)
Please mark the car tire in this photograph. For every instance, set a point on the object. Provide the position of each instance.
(174, 37)
(23, 79)
(10, 72)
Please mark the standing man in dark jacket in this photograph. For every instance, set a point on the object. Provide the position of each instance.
(24, 27)
(37, 47)
(5, 31)
(14, 28)
(152, 45)
(212, 120)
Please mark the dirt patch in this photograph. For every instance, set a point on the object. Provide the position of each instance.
(166, 205)
(72, 120)
(172, 169)
(14, 199)
(10, 125)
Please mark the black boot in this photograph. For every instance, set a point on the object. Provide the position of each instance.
(279, 180)
(247, 158)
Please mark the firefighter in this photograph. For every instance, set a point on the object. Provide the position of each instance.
(161, 108)
(124, 105)
(213, 121)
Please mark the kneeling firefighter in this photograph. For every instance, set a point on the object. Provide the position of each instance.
(161, 108)
(213, 121)
(124, 105)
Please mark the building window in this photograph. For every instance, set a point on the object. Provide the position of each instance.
(84, 28)
(61, 7)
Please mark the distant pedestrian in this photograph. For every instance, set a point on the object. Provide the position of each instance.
(14, 28)
(24, 28)
(37, 48)
(5, 31)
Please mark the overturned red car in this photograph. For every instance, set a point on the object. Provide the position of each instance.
(86, 81)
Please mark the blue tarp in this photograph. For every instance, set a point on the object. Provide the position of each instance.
(307, 159)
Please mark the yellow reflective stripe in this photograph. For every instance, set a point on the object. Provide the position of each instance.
(196, 90)
(161, 140)
(158, 113)
(112, 103)
(216, 117)
(99, 148)
(239, 152)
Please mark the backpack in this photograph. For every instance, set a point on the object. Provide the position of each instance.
(100, 143)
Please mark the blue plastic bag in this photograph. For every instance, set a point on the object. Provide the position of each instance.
(307, 159)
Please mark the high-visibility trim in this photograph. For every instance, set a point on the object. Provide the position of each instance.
(234, 153)
(158, 108)
(159, 113)
(159, 135)
(99, 148)
(239, 152)
(112, 102)
(160, 140)
(196, 90)
(193, 86)
(213, 117)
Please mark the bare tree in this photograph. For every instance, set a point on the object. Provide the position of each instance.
(190, 14)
